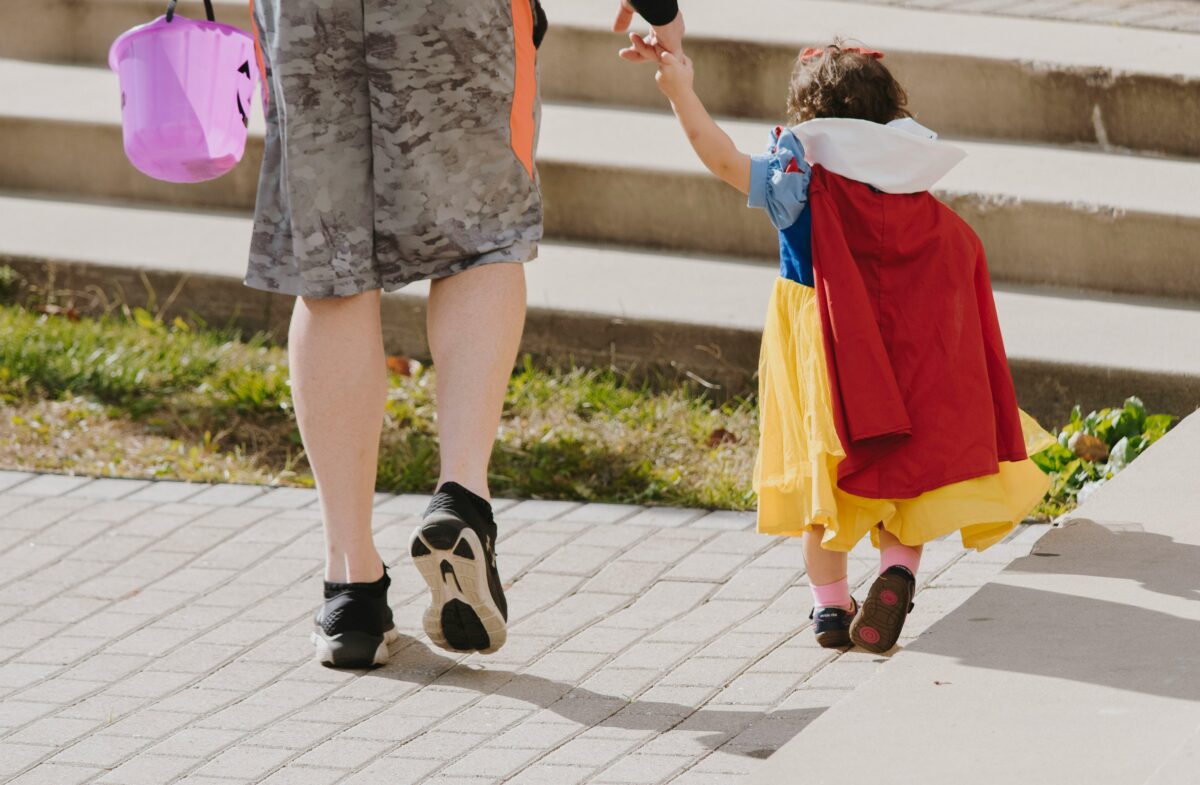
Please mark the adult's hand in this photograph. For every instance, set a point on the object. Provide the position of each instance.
(667, 37)
(624, 17)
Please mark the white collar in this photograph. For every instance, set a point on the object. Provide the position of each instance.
(901, 157)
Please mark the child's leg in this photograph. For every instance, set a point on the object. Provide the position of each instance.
(827, 572)
(893, 553)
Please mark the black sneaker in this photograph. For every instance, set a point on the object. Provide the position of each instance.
(455, 550)
(831, 626)
(877, 626)
(354, 626)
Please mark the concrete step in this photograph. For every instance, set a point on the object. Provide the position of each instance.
(680, 315)
(1048, 216)
(969, 75)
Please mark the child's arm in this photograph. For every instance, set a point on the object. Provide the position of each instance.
(713, 145)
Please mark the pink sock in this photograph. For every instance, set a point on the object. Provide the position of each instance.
(833, 595)
(900, 555)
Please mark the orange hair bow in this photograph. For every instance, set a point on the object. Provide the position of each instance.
(813, 51)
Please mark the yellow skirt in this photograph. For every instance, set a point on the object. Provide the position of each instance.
(796, 472)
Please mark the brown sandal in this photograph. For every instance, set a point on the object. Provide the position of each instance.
(877, 626)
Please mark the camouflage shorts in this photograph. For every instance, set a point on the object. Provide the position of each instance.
(399, 145)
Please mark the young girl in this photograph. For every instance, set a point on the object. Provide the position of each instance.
(885, 397)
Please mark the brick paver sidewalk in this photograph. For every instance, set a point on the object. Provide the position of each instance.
(155, 633)
(1182, 15)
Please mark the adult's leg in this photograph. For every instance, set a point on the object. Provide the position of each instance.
(339, 388)
(475, 322)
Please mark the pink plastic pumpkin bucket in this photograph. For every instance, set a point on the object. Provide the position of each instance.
(186, 88)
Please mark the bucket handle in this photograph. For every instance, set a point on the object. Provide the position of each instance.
(208, 8)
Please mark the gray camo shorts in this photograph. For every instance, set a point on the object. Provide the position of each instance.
(399, 145)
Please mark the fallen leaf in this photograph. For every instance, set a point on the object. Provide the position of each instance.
(400, 365)
(721, 436)
(1088, 447)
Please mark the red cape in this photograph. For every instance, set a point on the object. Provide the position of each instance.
(922, 393)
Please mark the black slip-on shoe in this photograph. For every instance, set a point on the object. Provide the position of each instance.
(831, 626)
(355, 626)
(877, 626)
(455, 551)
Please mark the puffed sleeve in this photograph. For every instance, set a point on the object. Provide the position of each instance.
(779, 179)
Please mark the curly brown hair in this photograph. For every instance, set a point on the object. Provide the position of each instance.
(844, 82)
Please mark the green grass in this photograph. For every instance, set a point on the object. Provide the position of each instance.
(126, 395)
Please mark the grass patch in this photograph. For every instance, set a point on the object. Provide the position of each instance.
(83, 437)
(126, 395)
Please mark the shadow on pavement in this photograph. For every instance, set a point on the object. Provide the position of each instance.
(1127, 646)
(1155, 561)
(714, 726)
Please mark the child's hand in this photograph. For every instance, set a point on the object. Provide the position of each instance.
(675, 75)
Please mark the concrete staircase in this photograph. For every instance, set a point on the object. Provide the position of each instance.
(1083, 180)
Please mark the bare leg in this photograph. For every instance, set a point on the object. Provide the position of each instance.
(824, 566)
(339, 387)
(475, 323)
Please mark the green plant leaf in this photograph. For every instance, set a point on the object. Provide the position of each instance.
(1120, 455)
(145, 319)
(1053, 458)
(1156, 426)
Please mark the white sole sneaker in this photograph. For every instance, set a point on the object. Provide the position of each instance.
(353, 649)
(462, 615)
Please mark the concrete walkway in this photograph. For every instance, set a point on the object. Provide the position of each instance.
(1077, 664)
(155, 633)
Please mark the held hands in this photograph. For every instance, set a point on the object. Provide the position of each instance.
(643, 49)
(664, 46)
(675, 76)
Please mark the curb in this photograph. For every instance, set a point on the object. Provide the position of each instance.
(721, 359)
